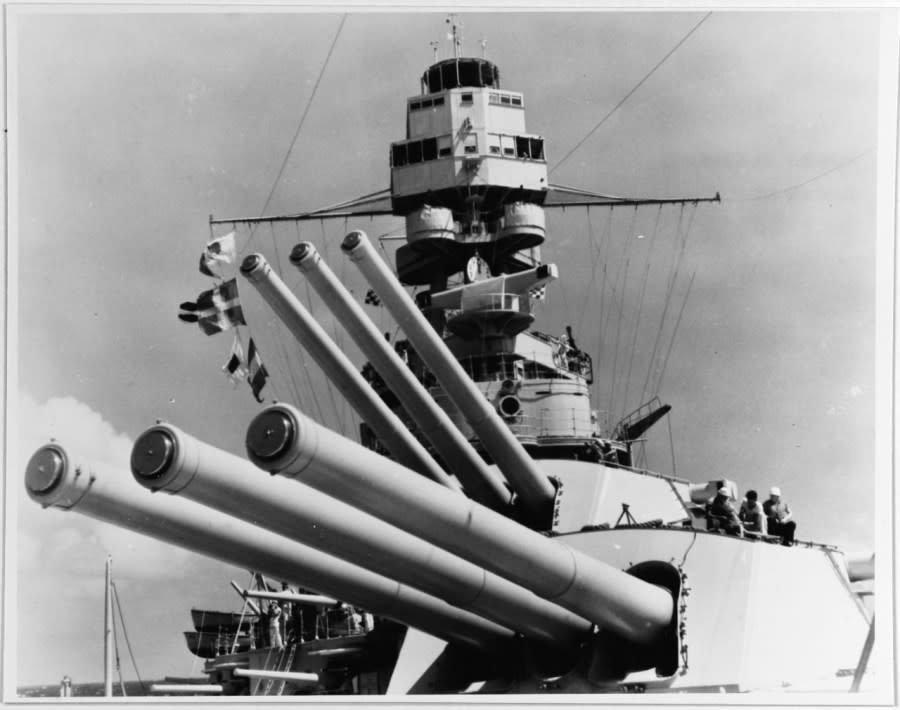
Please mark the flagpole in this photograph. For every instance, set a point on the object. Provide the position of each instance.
(107, 632)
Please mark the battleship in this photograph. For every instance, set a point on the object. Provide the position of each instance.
(496, 531)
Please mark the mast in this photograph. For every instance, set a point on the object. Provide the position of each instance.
(107, 633)
(455, 35)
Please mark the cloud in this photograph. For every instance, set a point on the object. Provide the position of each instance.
(59, 570)
(50, 541)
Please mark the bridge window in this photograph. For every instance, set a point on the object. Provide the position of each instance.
(445, 146)
(451, 73)
(501, 99)
(426, 103)
(471, 143)
(429, 149)
(523, 149)
(398, 155)
(419, 151)
(465, 98)
(529, 148)
(414, 152)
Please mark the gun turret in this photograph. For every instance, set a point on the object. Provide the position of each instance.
(338, 368)
(282, 440)
(54, 480)
(480, 481)
(533, 487)
(165, 458)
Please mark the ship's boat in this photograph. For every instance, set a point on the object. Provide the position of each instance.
(228, 621)
(209, 644)
(508, 538)
(332, 655)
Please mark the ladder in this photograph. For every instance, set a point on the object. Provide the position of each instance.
(281, 665)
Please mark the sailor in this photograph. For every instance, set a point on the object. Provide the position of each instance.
(401, 347)
(721, 514)
(355, 622)
(752, 515)
(562, 349)
(287, 616)
(309, 615)
(275, 640)
(368, 621)
(779, 515)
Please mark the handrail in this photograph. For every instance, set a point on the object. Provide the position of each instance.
(506, 365)
(547, 423)
(497, 301)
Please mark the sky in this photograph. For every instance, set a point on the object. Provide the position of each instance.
(129, 129)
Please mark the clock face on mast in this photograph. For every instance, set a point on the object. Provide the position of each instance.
(472, 268)
(476, 269)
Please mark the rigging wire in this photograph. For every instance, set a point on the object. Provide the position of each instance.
(127, 642)
(673, 273)
(688, 549)
(628, 95)
(294, 387)
(279, 363)
(282, 360)
(624, 272)
(115, 639)
(672, 444)
(309, 382)
(637, 320)
(252, 226)
(665, 361)
(791, 188)
(336, 332)
(550, 253)
(287, 156)
(594, 259)
(603, 253)
(608, 299)
(612, 286)
(328, 385)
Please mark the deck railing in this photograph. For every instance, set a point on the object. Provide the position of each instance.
(507, 366)
(551, 423)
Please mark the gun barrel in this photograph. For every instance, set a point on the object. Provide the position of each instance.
(480, 481)
(233, 485)
(338, 368)
(316, 599)
(283, 441)
(293, 676)
(186, 689)
(53, 479)
(532, 485)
